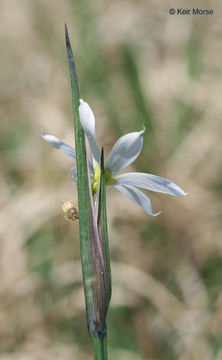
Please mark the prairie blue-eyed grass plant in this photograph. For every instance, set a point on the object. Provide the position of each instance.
(91, 177)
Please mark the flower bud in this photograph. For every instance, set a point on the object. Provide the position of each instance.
(70, 212)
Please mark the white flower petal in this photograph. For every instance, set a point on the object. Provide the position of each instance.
(60, 145)
(149, 182)
(87, 117)
(74, 175)
(137, 197)
(88, 123)
(125, 151)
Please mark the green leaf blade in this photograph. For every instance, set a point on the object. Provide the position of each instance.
(84, 203)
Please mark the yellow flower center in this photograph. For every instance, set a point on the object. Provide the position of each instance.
(109, 180)
(96, 180)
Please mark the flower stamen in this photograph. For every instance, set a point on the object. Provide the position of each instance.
(96, 180)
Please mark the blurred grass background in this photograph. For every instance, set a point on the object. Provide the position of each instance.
(137, 65)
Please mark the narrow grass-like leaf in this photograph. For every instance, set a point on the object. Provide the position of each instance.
(94, 250)
(102, 225)
(85, 207)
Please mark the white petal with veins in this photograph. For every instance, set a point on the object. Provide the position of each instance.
(125, 151)
(138, 197)
(149, 182)
(88, 123)
(60, 145)
(74, 175)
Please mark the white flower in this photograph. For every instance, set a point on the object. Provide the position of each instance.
(124, 152)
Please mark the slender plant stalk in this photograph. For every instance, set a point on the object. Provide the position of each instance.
(102, 219)
(93, 232)
(100, 348)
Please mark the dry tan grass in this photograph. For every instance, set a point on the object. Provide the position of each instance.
(35, 179)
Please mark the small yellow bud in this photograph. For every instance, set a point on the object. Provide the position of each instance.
(70, 212)
(96, 180)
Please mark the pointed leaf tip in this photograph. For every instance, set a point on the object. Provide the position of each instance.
(72, 67)
(67, 36)
(102, 158)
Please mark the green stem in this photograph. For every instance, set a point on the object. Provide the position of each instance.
(99, 348)
(94, 248)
